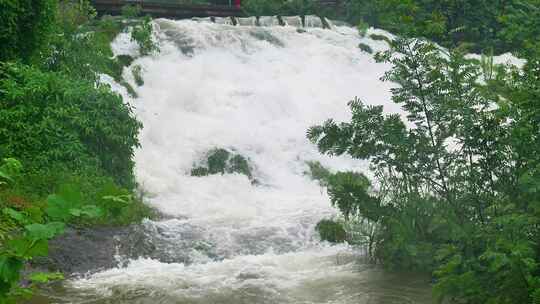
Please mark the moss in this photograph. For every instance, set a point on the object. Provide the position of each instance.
(239, 164)
(217, 161)
(366, 48)
(331, 231)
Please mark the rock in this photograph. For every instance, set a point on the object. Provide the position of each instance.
(80, 251)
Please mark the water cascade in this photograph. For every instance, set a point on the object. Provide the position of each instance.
(253, 91)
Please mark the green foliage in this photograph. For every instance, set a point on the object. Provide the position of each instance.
(362, 28)
(501, 25)
(73, 14)
(331, 231)
(120, 206)
(25, 28)
(131, 11)
(74, 135)
(71, 122)
(221, 161)
(142, 34)
(27, 233)
(318, 172)
(458, 186)
(9, 169)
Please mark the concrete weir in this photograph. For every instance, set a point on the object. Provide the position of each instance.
(216, 13)
(167, 9)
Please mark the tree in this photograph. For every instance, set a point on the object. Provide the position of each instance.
(458, 182)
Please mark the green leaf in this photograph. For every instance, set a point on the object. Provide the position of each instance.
(124, 199)
(19, 246)
(10, 268)
(91, 211)
(5, 176)
(38, 249)
(45, 277)
(18, 216)
(57, 208)
(75, 212)
(44, 231)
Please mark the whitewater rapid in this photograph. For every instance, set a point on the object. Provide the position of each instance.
(255, 91)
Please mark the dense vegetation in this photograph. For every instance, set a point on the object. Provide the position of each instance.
(456, 188)
(484, 25)
(67, 140)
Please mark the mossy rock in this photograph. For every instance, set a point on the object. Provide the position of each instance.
(331, 231)
(366, 48)
(221, 161)
(217, 161)
(137, 75)
(239, 164)
(124, 60)
(377, 37)
(264, 35)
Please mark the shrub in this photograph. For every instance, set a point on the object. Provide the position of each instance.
(468, 214)
(48, 119)
(331, 231)
(26, 27)
(142, 34)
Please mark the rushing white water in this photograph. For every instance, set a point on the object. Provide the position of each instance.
(255, 91)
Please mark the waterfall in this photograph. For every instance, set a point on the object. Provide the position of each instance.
(253, 90)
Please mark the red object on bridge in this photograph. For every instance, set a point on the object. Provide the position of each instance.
(237, 3)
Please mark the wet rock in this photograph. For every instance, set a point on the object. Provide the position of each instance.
(80, 251)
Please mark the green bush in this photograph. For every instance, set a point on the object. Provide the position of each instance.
(470, 215)
(47, 119)
(499, 25)
(331, 231)
(25, 28)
